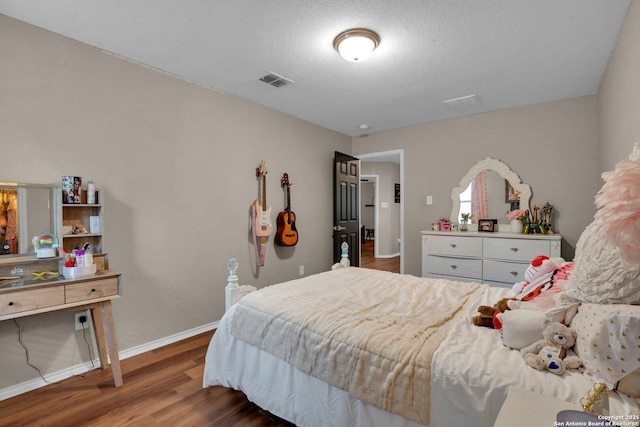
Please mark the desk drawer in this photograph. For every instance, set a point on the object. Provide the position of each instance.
(449, 266)
(503, 271)
(455, 245)
(89, 290)
(16, 302)
(515, 249)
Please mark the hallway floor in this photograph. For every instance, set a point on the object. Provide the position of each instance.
(369, 261)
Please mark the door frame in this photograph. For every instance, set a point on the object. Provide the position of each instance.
(396, 155)
(374, 178)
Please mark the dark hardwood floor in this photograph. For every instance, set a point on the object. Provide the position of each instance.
(162, 387)
(369, 261)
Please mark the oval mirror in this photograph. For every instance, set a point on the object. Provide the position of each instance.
(499, 189)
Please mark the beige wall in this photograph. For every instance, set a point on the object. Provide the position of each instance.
(619, 95)
(552, 146)
(177, 164)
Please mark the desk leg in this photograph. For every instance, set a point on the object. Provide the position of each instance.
(105, 330)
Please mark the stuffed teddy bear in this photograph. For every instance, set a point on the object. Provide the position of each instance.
(487, 316)
(553, 352)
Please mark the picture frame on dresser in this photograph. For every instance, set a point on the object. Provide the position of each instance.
(487, 225)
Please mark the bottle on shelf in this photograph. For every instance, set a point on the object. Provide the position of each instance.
(91, 193)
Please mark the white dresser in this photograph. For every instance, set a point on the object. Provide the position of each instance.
(498, 259)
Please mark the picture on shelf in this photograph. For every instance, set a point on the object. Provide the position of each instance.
(488, 225)
(71, 189)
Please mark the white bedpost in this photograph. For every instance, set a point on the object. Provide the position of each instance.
(234, 292)
(344, 259)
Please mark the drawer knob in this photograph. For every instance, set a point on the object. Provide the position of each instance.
(93, 290)
(453, 245)
(514, 249)
(453, 267)
(10, 302)
(515, 273)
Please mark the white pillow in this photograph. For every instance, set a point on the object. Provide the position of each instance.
(599, 274)
(521, 328)
(608, 340)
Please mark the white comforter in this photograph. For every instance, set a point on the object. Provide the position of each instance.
(471, 373)
(368, 332)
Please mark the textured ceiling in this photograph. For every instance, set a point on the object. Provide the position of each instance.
(507, 52)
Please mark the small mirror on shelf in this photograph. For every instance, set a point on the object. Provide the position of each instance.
(489, 190)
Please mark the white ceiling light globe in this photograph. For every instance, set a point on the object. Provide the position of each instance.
(356, 45)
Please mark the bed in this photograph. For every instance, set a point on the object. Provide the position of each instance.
(359, 347)
(463, 380)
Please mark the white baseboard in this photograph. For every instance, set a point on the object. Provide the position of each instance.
(54, 377)
(389, 256)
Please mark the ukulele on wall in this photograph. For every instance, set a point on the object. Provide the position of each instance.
(261, 223)
(286, 234)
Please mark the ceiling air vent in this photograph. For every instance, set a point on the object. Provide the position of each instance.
(276, 80)
(463, 103)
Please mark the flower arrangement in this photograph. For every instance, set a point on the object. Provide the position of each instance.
(515, 214)
(465, 217)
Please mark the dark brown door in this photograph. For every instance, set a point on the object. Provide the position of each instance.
(346, 207)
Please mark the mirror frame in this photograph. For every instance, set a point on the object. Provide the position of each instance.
(503, 170)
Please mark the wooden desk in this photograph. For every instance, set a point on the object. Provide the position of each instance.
(93, 293)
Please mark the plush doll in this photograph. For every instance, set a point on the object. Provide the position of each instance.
(537, 277)
(541, 290)
(487, 316)
(553, 352)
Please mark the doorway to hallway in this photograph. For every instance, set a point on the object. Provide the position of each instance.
(382, 210)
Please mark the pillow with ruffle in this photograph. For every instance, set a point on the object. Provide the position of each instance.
(599, 273)
(607, 259)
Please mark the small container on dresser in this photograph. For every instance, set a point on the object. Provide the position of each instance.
(498, 259)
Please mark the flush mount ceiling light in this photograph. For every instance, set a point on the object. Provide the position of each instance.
(356, 45)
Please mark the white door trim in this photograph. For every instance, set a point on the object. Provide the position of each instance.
(399, 155)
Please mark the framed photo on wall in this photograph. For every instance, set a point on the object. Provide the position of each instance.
(511, 195)
(488, 225)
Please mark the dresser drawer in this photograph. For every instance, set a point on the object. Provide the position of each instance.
(16, 302)
(450, 266)
(455, 245)
(503, 271)
(90, 290)
(515, 249)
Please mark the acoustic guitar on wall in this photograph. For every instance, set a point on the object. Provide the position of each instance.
(286, 233)
(261, 223)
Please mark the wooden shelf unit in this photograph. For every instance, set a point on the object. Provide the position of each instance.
(72, 215)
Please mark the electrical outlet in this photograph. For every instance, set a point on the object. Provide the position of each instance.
(80, 325)
(302, 270)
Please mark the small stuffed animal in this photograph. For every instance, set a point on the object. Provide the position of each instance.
(487, 316)
(553, 352)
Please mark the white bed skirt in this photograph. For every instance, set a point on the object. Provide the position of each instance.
(284, 391)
